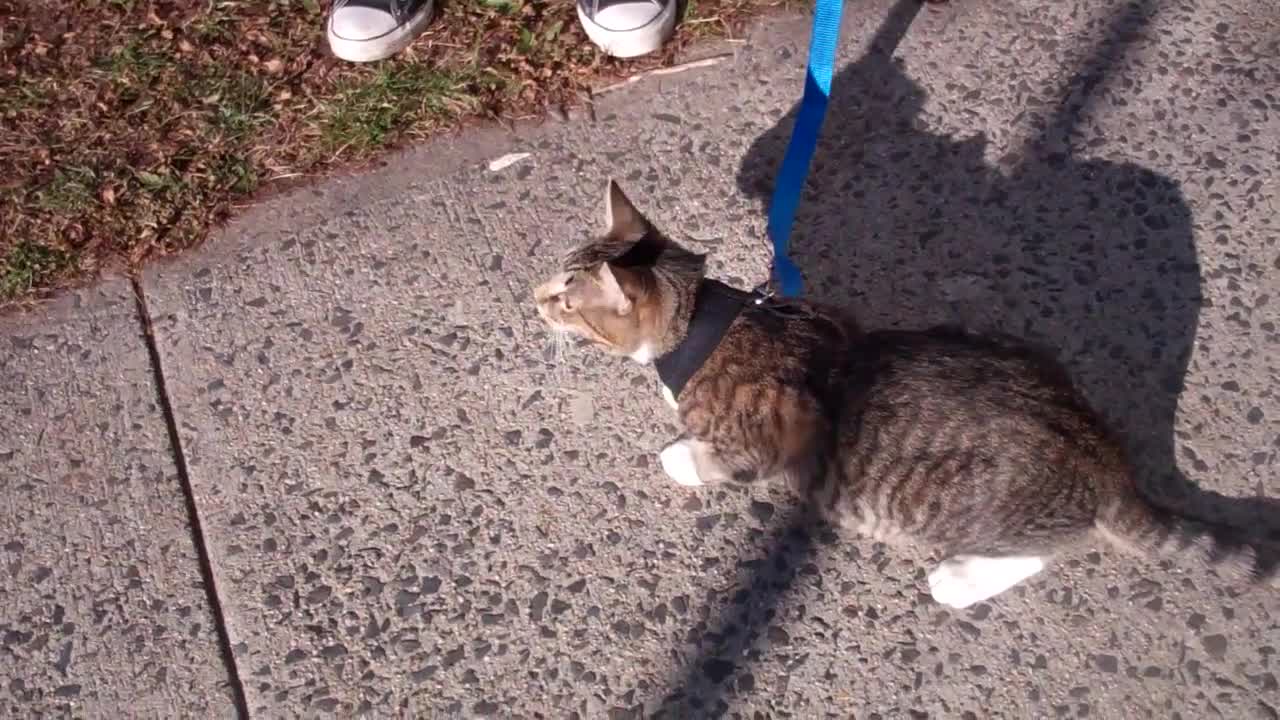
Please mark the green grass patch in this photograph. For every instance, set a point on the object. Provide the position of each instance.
(214, 25)
(506, 7)
(367, 112)
(237, 174)
(136, 63)
(159, 183)
(241, 106)
(234, 104)
(24, 95)
(70, 191)
(28, 265)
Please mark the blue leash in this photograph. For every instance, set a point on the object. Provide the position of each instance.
(804, 138)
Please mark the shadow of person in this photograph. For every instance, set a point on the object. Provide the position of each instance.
(1091, 259)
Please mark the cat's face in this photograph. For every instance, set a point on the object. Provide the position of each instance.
(591, 303)
(605, 290)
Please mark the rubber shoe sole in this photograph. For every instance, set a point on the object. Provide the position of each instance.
(382, 46)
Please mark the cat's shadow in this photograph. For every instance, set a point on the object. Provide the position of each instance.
(1092, 260)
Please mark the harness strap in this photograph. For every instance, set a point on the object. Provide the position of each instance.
(715, 307)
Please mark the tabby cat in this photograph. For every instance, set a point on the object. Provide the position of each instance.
(974, 446)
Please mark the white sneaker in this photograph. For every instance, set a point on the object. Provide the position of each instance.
(368, 30)
(628, 28)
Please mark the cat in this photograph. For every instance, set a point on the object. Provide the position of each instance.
(973, 445)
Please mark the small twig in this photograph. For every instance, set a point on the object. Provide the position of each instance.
(692, 64)
(704, 62)
(341, 150)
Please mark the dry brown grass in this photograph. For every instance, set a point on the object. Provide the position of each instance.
(131, 128)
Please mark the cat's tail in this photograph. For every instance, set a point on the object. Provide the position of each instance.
(1132, 522)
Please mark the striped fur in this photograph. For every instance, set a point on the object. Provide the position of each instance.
(977, 446)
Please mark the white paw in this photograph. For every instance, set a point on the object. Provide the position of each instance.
(963, 580)
(677, 463)
(949, 586)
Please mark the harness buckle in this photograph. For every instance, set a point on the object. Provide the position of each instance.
(763, 293)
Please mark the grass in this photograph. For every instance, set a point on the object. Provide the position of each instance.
(28, 265)
(240, 104)
(130, 129)
(69, 191)
(367, 112)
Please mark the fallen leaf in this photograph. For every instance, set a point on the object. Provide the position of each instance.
(150, 179)
(506, 161)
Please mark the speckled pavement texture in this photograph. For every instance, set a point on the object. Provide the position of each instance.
(103, 613)
(415, 507)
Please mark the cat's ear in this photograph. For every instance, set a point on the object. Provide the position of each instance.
(612, 290)
(622, 218)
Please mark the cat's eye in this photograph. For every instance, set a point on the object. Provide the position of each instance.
(562, 300)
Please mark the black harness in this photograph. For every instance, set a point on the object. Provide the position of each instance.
(715, 307)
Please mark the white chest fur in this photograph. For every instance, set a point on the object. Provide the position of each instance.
(670, 398)
(643, 355)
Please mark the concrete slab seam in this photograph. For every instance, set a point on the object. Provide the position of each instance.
(193, 511)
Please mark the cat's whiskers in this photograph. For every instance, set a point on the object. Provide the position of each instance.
(561, 341)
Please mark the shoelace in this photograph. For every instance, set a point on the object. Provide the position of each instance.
(398, 9)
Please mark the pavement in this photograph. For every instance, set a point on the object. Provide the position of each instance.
(331, 464)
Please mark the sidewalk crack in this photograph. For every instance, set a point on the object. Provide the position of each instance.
(193, 513)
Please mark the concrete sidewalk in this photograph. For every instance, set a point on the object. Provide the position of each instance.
(409, 506)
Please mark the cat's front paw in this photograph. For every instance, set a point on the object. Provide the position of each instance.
(963, 580)
(678, 464)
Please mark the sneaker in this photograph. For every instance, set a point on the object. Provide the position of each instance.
(628, 28)
(368, 30)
